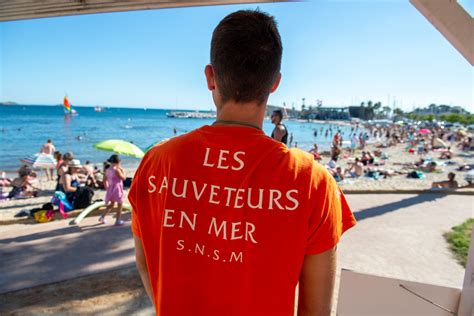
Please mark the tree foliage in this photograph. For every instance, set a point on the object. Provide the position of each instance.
(442, 112)
(466, 119)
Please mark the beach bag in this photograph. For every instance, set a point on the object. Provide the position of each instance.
(83, 198)
(127, 182)
(43, 216)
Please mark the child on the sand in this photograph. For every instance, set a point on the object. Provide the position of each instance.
(113, 182)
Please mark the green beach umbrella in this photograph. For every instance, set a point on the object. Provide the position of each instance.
(120, 147)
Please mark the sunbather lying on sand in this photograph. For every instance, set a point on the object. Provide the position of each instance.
(446, 154)
(386, 172)
(430, 167)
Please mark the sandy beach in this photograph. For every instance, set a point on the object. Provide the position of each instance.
(196, 112)
(105, 282)
(397, 156)
(109, 295)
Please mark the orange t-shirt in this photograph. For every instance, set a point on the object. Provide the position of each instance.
(226, 216)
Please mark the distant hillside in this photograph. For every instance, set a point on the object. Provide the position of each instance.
(8, 103)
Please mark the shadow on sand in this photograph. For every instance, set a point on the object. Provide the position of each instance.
(395, 206)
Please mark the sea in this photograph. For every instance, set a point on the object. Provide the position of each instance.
(24, 128)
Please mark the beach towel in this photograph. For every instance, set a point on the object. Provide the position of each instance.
(416, 175)
(59, 199)
(373, 174)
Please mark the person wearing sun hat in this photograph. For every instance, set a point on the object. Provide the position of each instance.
(71, 179)
(62, 167)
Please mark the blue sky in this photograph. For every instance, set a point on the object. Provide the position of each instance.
(342, 52)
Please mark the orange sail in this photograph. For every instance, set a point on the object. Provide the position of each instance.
(67, 106)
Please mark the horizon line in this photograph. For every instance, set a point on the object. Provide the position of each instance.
(3, 103)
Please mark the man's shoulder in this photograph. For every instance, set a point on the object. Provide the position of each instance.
(301, 160)
(281, 127)
(171, 144)
(176, 140)
(303, 166)
(308, 160)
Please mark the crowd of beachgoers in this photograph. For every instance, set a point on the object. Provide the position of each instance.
(372, 157)
(401, 157)
(69, 184)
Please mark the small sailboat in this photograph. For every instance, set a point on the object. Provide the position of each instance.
(68, 110)
(99, 109)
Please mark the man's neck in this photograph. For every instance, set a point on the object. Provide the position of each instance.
(250, 114)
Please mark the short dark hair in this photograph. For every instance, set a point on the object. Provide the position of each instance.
(68, 156)
(114, 159)
(278, 113)
(246, 55)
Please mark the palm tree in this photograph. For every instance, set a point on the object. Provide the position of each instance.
(377, 106)
(398, 112)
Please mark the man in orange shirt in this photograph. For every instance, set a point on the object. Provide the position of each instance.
(226, 220)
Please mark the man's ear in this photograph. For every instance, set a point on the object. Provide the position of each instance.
(276, 83)
(210, 79)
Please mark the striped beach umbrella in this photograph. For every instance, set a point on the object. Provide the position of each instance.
(40, 161)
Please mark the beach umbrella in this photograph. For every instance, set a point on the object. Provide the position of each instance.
(424, 131)
(437, 142)
(40, 161)
(120, 147)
